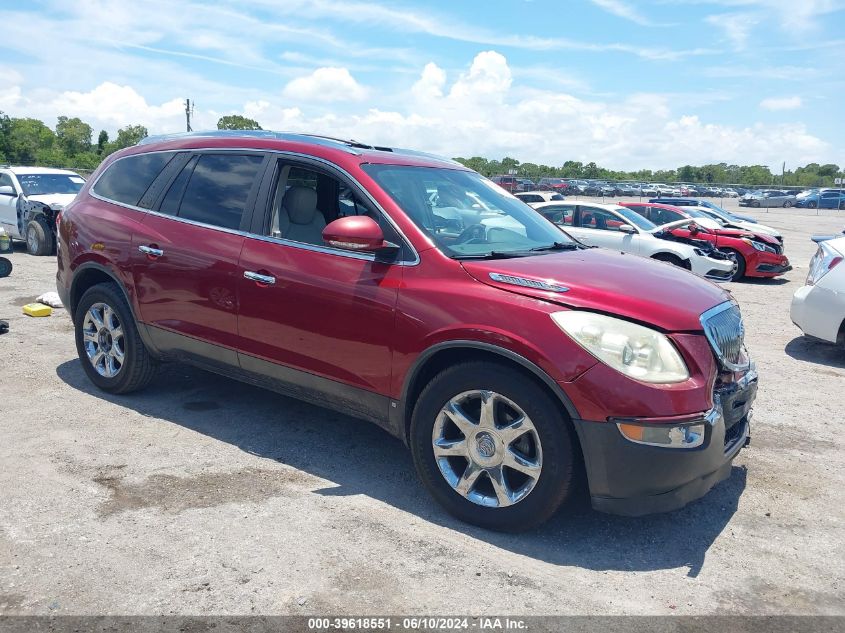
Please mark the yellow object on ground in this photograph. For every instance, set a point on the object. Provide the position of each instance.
(37, 310)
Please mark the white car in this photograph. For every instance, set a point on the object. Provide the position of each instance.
(534, 197)
(818, 308)
(732, 222)
(666, 190)
(620, 228)
(730, 193)
(30, 197)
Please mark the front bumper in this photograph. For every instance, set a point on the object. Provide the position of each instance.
(635, 479)
(773, 270)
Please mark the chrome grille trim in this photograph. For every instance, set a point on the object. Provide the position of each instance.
(725, 331)
(528, 283)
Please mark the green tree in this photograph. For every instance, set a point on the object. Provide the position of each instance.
(26, 138)
(127, 136)
(237, 122)
(73, 135)
(102, 141)
(5, 131)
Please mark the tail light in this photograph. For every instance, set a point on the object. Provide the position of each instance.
(825, 260)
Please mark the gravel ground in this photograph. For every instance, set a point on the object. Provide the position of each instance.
(202, 495)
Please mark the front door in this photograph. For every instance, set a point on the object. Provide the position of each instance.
(186, 252)
(600, 227)
(9, 206)
(320, 319)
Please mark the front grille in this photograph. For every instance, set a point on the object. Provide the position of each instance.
(726, 333)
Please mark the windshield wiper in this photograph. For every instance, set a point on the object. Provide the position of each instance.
(493, 255)
(559, 246)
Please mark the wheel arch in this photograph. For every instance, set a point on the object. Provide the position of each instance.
(661, 255)
(437, 357)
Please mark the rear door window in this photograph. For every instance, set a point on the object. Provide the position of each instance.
(214, 189)
(126, 179)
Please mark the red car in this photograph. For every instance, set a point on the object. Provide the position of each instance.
(757, 254)
(506, 355)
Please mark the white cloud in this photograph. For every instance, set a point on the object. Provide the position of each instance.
(483, 113)
(781, 103)
(480, 111)
(623, 10)
(737, 27)
(325, 84)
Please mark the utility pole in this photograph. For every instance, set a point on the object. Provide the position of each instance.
(189, 110)
(782, 174)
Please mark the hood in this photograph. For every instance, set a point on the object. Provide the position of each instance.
(598, 279)
(758, 229)
(55, 201)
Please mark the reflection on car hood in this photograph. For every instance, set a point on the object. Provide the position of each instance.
(606, 281)
(53, 200)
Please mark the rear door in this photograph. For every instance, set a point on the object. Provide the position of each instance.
(186, 252)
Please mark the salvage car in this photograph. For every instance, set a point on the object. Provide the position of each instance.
(824, 199)
(511, 359)
(818, 307)
(756, 254)
(699, 202)
(30, 198)
(619, 228)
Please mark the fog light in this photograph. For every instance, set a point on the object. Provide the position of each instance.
(688, 436)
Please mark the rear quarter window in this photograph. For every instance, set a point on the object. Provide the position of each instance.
(126, 179)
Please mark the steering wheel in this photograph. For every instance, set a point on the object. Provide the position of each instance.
(474, 232)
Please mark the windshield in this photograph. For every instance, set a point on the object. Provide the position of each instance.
(39, 184)
(465, 214)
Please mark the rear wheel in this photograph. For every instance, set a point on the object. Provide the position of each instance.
(755, 204)
(108, 343)
(492, 446)
(787, 204)
(39, 237)
(812, 204)
(740, 264)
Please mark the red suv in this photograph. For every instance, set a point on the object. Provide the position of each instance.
(508, 356)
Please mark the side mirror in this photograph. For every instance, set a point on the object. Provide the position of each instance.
(357, 233)
(627, 228)
(8, 190)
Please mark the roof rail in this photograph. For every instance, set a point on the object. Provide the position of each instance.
(348, 146)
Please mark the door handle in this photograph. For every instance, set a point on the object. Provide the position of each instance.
(266, 280)
(152, 252)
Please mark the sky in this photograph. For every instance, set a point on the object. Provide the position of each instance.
(647, 84)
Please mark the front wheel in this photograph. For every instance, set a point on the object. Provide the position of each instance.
(787, 204)
(5, 267)
(755, 204)
(108, 343)
(740, 264)
(39, 237)
(492, 447)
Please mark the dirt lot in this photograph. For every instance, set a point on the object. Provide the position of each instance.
(202, 495)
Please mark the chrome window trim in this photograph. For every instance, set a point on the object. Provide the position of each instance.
(268, 238)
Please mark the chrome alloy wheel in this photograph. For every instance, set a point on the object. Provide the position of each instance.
(102, 336)
(487, 448)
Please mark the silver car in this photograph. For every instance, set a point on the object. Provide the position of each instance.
(768, 198)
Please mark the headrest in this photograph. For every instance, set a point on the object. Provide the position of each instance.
(301, 204)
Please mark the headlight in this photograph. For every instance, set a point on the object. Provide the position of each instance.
(634, 350)
(759, 246)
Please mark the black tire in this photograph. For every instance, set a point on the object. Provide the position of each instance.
(787, 204)
(740, 264)
(842, 206)
(138, 367)
(672, 259)
(755, 204)
(39, 237)
(559, 455)
(5, 267)
(811, 204)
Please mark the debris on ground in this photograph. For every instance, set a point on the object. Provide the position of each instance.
(37, 310)
(51, 299)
